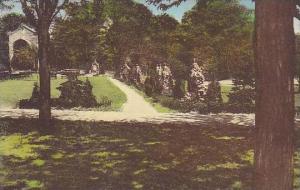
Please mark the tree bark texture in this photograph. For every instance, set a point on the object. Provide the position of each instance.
(275, 58)
(44, 72)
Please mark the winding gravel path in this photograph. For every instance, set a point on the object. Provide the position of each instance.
(135, 102)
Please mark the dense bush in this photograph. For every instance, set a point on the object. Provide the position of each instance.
(105, 101)
(33, 102)
(213, 97)
(183, 105)
(148, 87)
(241, 101)
(76, 93)
(179, 89)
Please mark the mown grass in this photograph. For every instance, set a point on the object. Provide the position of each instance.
(12, 91)
(102, 86)
(225, 90)
(81, 155)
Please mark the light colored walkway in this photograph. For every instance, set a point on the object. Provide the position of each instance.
(176, 118)
(192, 118)
(135, 102)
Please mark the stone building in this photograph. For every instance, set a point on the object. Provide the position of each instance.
(22, 35)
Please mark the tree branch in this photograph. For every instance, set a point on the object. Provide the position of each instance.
(165, 4)
(30, 10)
(59, 8)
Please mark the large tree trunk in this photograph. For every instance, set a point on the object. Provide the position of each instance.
(44, 71)
(275, 52)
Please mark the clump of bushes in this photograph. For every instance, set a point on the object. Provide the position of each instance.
(213, 97)
(152, 86)
(33, 102)
(73, 93)
(76, 93)
(105, 101)
(241, 101)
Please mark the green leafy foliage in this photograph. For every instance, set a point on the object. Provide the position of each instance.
(241, 101)
(25, 58)
(76, 40)
(213, 97)
(218, 33)
(76, 93)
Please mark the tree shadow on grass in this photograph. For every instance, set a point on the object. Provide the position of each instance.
(81, 155)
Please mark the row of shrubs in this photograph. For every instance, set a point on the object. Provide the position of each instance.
(240, 101)
(73, 93)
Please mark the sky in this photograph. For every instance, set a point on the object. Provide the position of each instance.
(178, 12)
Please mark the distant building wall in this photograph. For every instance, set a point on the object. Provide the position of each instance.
(25, 33)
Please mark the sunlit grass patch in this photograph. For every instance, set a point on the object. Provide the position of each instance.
(57, 155)
(18, 145)
(105, 154)
(211, 167)
(138, 172)
(248, 156)
(137, 185)
(38, 162)
(227, 138)
(34, 184)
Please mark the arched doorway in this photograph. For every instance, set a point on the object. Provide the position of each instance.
(23, 42)
(24, 56)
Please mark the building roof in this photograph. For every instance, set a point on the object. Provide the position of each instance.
(23, 26)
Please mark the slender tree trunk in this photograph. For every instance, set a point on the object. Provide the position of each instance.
(44, 71)
(275, 52)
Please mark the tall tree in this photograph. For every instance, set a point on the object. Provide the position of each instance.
(275, 53)
(41, 13)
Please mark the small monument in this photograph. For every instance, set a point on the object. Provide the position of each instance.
(124, 72)
(165, 78)
(95, 68)
(136, 74)
(197, 88)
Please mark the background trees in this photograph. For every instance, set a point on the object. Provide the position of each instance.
(76, 37)
(220, 34)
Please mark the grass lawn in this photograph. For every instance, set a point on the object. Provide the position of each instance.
(225, 90)
(14, 90)
(102, 86)
(127, 156)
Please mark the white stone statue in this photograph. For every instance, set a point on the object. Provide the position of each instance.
(197, 87)
(165, 78)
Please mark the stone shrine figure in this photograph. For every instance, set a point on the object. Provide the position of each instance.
(197, 87)
(124, 73)
(95, 68)
(165, 78)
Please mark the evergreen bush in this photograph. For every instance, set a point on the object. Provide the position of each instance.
(76, 93)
